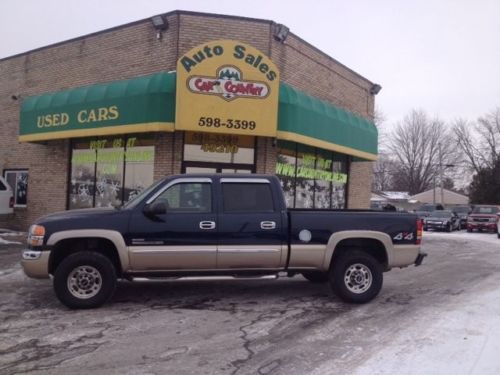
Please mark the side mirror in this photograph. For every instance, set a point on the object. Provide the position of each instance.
(155, 208)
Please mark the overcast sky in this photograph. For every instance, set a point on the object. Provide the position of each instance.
(442, 56)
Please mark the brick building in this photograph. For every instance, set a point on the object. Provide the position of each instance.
(66, 143)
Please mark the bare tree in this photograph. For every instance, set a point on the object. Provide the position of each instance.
(420, 146)
(383, 170)
(479, 141)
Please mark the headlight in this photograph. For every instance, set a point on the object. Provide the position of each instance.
(493, 219)
(36, 235)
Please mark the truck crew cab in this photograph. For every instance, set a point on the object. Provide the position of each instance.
(206, 225)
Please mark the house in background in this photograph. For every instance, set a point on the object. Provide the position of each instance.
(401, 200)
(450, 198)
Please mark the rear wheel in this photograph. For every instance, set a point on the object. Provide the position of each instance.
(85, 280)
(316, 277)
(356, 277)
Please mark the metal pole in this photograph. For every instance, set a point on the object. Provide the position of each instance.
(441, 173)
(434, 190)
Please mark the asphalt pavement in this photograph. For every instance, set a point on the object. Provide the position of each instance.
(438, 318)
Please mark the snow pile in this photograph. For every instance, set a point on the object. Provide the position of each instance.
(463, 235)
(5, 242)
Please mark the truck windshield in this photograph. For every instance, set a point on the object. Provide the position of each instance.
(135, 201)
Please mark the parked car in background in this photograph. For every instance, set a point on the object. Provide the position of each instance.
(483, 217)
(462, 212)
(498, 225)
(427, 208)
(442, 220)
(6, 198)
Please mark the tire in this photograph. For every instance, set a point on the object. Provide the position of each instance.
(449, 228)
(498, 235)
(352, 264)
(459, 228)
(316, 277)
(469, 230)
(425, 228)
(85, 280)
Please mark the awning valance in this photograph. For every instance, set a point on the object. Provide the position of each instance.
(308, 120)
(141, 104)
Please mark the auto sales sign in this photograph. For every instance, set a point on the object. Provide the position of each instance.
(226, 86)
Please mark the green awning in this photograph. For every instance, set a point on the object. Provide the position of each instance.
(141, 104)
(308, 120)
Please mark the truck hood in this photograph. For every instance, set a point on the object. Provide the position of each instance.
(77, 214)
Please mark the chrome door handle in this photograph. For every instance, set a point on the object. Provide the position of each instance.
(207, 224)
(267, 225)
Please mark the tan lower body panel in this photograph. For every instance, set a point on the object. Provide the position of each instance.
(251, 256)
(144, 258)
(307, 256)
(404, 255)
(37, 268)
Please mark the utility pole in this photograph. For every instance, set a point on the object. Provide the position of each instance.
(441, 173)
(434, 192)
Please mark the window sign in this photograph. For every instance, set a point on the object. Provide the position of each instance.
(219, 148)
(311, 177)
(18, 181)
(110, 171)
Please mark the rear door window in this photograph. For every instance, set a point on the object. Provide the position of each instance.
(247, 197)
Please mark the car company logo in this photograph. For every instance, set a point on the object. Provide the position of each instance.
(228, 84)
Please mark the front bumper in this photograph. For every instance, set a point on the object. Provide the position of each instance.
(482, 226)
(35, 263)
(436, 226)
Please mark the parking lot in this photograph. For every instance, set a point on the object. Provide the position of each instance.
(439, 318)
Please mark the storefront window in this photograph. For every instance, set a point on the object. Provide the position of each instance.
(208, 150)
(311, 177)
(107, 172)
(18, 181)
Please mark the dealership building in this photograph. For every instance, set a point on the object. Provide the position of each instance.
(92, 121)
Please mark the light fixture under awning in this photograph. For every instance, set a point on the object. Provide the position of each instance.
(141, 104)
(305, 119)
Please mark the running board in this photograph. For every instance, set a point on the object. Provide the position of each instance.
(202, 278)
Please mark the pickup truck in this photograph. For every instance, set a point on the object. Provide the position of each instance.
(217, 225)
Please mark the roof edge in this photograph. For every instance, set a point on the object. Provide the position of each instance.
(171, 13)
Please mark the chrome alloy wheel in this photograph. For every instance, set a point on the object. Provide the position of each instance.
(358, 278)
(84, 282)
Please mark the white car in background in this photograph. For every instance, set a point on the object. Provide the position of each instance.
(6, 198)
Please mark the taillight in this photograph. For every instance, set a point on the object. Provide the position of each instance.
(11, 202)
(419, 231)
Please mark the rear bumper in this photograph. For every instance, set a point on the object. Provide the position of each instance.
(405, 255)
(35, 263)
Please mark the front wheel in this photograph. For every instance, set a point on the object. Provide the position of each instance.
(85, 280)
(356, 277)
(448, 228)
